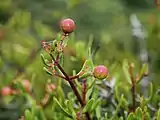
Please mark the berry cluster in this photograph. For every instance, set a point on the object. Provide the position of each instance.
(53, 67)
(9, 90)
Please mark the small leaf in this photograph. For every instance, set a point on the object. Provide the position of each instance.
(76, 80)
(94, 106)
(92, 84)
(98, 112)
(142, 102)
(43, 60)
(142, 72)
(69, 105)
(33, 109)
(47, 71)
(88, 105)
(41, 115)
(150, 92)
(36, 118)
(106, 116)
(158, 115)
(61, 59)
(28, 115)
(147, 116)
(121, 118)
(86, 69)
(118, 107)
(89, 91)
(139, 112)
(95, 94)
(89, 47)
(54, 44)
(117, 93)
(85, 75)
(125, 70)
(131, 116)
(61, 95)
(62, 109)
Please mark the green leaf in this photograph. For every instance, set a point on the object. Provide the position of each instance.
(41, 115)
(147, 116)
(34, 109)
(125, 70)
(142, 102)
(106, 116)
(158, 115)
(71, 96)
(94, 106)
(92, 84)
(117, 93)
(28, 115)
(121, 118)
(62, 109)
(95, 94)
(90, 45)
(142, 72)
(76, 80)
(80, 49)
(43, 59)
(150, 93)
(98, 112)
(61, 95)
(69, 105)
(36, 118)
(47, 71)
(61, 59)
(86, 69)
(88, 106)
(54, 43)
(118, 107)
(139, 112)
(131, 116)
(89, 91)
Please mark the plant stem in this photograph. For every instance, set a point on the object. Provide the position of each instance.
(133, 87)
(59, 76)
(72, 85)
(74, 77)
(84, 90)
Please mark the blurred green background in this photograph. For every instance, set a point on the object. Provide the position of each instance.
(120, 29)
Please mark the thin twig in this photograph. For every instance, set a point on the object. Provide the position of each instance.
(84, 90)
(59, 76)
(74, 77)
(72, 85)
(133, 86)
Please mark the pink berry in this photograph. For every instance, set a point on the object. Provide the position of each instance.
(67, 25)
(27, 85)
(5, 91)
(100, 72)
(50, 88)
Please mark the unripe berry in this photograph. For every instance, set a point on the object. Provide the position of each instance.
(67, 25)
(27, 85)
(100, 72)
(5, 91)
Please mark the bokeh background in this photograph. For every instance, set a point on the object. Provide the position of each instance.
(121, 29)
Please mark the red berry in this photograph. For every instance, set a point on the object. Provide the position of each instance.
(5, 91)
(100, 72)
(27, 85)
(67, 25)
